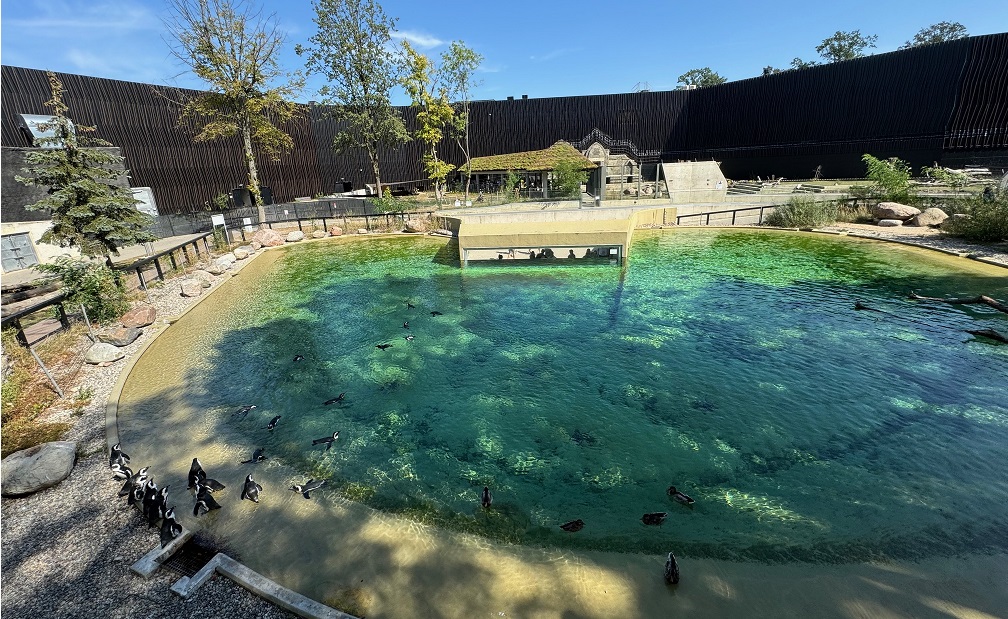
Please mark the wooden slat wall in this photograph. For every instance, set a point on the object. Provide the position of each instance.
(910, 103)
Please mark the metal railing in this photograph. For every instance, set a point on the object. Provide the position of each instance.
(734, 213)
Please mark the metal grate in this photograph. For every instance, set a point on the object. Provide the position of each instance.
(189, 559)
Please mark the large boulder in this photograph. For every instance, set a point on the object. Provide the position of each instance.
(894, 210)
(319, 234)
(241, 253)
(267, 238)
(30, 470)
(229, 258)
(192, 287)
(103, 352)
(335, 230)
(294, 236)
(930, 217)
(139, 316)
(119, 336)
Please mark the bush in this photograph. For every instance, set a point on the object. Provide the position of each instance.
(986, 220)
(93, 284)
(891, 176)
(802, 212)
(568, 178)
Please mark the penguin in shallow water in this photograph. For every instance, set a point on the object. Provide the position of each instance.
(308, 487)
(409, 338)
(170, 528)
(335, 400)
(383, 346)
(410, 305)
(671, 570)
(204, 501)
(251, 490)
(198, 477)
(117, 456)
(405, 325)
(327, 440)
(272, 423)
(573, 526)
(435, 313)
(257, 456)
(486, 498)
(243, 411)
(298, 358)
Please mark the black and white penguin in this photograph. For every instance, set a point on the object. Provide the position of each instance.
(272, 424)
(204, 501)
(405, 325)
(150, 495)
(158, 509)
(671, 570)
(486, 498)
(196, 473)
(243, 411)
(383, 346)
(410, 305)
(335, 400)
(257, 456)
(170, 528)
(117, 456)
(251, 490)
(121, 471)
(409, 338)
(137, 494)
(136, 479)
(298, 358)
(308, 487)
(327, 440)
(435, 313)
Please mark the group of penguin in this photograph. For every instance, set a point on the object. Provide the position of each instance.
(141, 491)
(405, 325)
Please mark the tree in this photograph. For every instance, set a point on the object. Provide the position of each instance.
(235, 50)
(891, 176)
(701, 77)
(433, 112)
(798, 63)
(771, 70)
(568, 176)
(458, 64)
(89, 210)
(845, 45)
(937, 33)
(351, 49)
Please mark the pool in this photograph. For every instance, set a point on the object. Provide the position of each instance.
(730, 364)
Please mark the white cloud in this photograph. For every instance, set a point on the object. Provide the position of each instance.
(67, 18)
(552, 55)
(423, 41)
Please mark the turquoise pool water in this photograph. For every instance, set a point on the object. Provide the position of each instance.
(730, 364)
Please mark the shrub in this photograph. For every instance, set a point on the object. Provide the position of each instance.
(986, 220)
(802, 212)
(891, 176)
(568, 178)
(92, 284)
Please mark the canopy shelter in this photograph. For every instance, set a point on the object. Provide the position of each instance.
(533, 167)
(609, 238)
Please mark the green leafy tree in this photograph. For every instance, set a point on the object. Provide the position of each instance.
(235, 50)
(937, 33)
(458, 66)
(955, 180)
(95, 286)
(701, 77)
(798, 63)
(891, 176)
(845, 45)
(568, 176)
(89, 210)
(351, 49)
(434, 112)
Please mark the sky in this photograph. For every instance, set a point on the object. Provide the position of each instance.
(542, 48)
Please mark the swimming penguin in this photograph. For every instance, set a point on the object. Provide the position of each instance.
(654, 518)
(682, 497)
(170, 528)
(410, 305)
(117, 456)
(573, 526)
(328, 440)
(272, 423)
(251, 490)
(671, 570)
(486, 498)
(409, 338)
(136, 479)
(308, 487)
(243, 411)
(435, 313)
(335, 400)
(383, 346)
(405, 325)
(257, 456)
(298, 358)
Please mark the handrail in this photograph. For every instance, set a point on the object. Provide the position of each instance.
(734, 212)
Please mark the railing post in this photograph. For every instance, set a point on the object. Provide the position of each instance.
(171, 257)
(139, 272)
(157, 266)
(63, 315)
(733, 217)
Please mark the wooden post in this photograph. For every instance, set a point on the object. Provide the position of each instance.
(157, 267)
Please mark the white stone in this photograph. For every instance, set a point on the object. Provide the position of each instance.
(35, 468)
(890, 223)
(102, 352)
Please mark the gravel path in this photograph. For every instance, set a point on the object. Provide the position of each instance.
(66, 551)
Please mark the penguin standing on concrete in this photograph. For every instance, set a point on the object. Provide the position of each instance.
(251, 490)
(134, 480)
(158, 509)
(117, 457)
(170, 528)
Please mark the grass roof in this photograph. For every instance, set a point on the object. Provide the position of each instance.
(533, 160)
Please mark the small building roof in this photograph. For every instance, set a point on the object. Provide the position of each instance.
(533, 160)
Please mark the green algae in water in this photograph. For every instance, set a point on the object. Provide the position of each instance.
(729, 364)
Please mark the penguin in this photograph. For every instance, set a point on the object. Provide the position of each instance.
(409, 338)
(298, 358)
(328, 440)
(682, 497)
(405, 325)
(170, 528)
(251, 490)
(137, 494)
(335, 400)
(196, 473)
(121, 471)
(149, 498)
(117, 456)
(272, 423)
(671, 570)
(243, 411)
(435, 313)
(257, 456)
(410, 305)
(134, 480)
(383, 346)
(308, 487)
(654, 518)
(204, 501)
(486, 498)
(159, 508)
(573, 526)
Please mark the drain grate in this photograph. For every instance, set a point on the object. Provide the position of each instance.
(189, 559)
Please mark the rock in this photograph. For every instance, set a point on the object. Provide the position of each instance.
(319, 234)
(35, 468)
(205, 277)
(241, 253)
(361, 230)
(216, 268)
(103, 352)
(139, 316)
(411, 228)
(335, 231)
(890, 223)
(193, 287)
(228, 258)
(930, 217)
(294, 236)
(267, 238)
(119, 336)
(255, 245)
(893, 210)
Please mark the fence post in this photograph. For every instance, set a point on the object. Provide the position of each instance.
(45, 370)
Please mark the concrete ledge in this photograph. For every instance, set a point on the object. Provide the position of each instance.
(259, 585)
(151, 561)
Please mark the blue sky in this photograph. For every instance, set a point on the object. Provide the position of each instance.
(542, 49)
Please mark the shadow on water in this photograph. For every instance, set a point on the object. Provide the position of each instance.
(301, 540)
